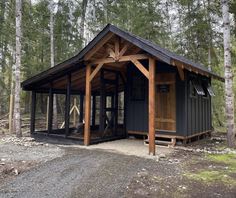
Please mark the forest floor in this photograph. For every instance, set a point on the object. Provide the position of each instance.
(30, 168)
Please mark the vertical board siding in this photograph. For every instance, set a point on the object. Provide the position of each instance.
(199, 111)
(137, 111)
(193, 114)
(180, 107)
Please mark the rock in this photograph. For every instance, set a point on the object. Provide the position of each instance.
(142, 174)
(183, 187)
(16, 172)
(24, 141)
(162, 155)
(2, 163)
(3, 160)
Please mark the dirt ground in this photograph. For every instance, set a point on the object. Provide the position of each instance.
(57, 168)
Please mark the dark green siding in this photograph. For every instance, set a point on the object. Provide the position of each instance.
(193, 115)
(199, 110)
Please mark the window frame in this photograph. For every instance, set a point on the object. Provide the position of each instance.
(192, 89)
(205, 85)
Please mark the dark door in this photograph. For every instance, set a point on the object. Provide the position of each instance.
(109, 103)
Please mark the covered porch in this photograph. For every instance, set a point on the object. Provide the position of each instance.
(99, 85)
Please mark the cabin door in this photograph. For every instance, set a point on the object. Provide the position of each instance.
(165, 102)
(109, 103)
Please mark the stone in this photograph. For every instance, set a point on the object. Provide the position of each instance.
(162, 155)
(16, 172)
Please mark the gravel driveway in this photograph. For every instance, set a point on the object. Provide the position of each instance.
(82, 173)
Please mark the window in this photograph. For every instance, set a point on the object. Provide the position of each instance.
(138, 88)
(97, 111)
(121, 108)
(196, 87)
(204, 85)
(192, 91)
(210, 90)
(207, 89)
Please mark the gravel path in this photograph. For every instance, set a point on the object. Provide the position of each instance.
(41, 153)
(83, 173)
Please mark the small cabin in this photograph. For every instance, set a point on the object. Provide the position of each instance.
(126, 85)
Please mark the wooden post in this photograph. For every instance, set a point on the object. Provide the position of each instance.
(87, 106)
(125, 109)
(102, 103)
(81, 108)
(47, 112)
(67, 106)
(116, 98)
(33, 109)
(74, 112)
(151, 106)
(50, 110)
(94, 111)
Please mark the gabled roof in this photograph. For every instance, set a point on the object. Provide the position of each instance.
(151, 48)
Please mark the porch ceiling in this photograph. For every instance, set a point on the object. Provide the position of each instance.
(78, 77)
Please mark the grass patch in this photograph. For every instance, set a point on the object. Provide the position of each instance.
(209, 177)
(226, 159)
(220, 129)
(222, 175)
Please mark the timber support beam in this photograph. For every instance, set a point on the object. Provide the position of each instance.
(67, 106)
(50, 110)
(33, 109)
(151, 106)
(81, 108)
(87, 106)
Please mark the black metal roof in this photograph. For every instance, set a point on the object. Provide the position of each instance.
(151, 48)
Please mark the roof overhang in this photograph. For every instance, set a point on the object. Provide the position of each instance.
(154, 50)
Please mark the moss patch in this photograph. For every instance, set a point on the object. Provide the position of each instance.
(223, 172)
(209, 177)
(228, 160)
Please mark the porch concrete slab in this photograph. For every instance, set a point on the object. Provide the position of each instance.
(132, 147)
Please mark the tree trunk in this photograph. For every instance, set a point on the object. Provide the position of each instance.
(209, 58)
(229, 95)
(55, 125)
(207, 8)
(82, 23)
(17, 115)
